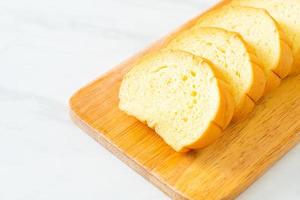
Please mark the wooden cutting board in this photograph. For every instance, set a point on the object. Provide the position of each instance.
(220, 171)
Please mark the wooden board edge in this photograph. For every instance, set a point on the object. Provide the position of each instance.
(172, 192)
(278, 152)
(105, 142)
(116, 151)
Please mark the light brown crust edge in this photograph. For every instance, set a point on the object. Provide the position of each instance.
(226, 106)
(290, 60)
(286, 59)
(211, 134)
(296, 65)
(223, 116)
(255, 90)
(221, 121)
(259, 83)
(296, 68)
(245, 107)
(284, 63)
(273, 81)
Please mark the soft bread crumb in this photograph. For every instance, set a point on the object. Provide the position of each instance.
(261, 32)
(286, 13)
(179, 96)
(233, 60)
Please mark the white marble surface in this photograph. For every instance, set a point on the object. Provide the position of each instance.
(50, 48)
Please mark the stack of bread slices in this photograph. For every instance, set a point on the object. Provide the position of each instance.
(215, 72)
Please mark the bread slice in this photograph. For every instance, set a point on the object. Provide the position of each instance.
(287, 14)
(233, 60)
(180, 96)
(261, 32)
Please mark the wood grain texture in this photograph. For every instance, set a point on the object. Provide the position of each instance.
(220, 171)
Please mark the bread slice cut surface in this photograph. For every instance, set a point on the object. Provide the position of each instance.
(287, 14)
(179, 96)
(261, 33)
(234, 61)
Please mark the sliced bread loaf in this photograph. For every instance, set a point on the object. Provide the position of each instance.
(261, 32)
(232, 59)
(180, 96)
(287, 14)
